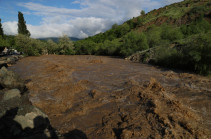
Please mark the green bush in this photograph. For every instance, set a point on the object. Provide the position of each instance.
(131, 24)
(198, 54)
(132, 42)
(142, 12)
(52, 47)
(199, 26)
(29, 46)
(140, 21)
(194, 55)
(166, 56)
(154, 36)
(197, 10)
(65, 46)
(86, 47)
(171, 33)
(122, 30)
(4, 42)
(111, 47)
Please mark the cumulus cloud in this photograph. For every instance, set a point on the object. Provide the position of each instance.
(10, 28)
(93, 17)
(79, 27)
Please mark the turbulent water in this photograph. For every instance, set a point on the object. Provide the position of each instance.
(105, 97)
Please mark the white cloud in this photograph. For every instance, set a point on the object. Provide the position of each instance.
(10, 28)
(95, 16)
(79, 27)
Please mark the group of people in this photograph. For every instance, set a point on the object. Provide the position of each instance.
(10, 52)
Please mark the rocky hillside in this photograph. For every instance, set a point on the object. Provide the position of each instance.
(178, 34)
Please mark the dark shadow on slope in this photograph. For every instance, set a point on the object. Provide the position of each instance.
(75, 134)
(118, 132)
(10, 129)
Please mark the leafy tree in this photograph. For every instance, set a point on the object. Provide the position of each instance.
(193, 55)
(122, 30)
(22, 28)
(134, 41)
(154, 36)
(171, 33)
(52, 47)
(29, 46)
(4, 42)
(166, 56)
(66, 46)
(1, 30)
(131, 24)
(23, 44)
(198, 54)
(139, 21)
(111, 47)
(114, 26)
(199, 26)
(142, 12)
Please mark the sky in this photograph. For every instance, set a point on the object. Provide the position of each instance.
(75, 18)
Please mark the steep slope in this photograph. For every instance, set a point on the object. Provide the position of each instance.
(172, 28)
(175, 14)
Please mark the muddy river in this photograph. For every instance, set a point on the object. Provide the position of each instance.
(105, 97)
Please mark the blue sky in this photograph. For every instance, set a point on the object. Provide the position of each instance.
(75, 18)
(10, 8)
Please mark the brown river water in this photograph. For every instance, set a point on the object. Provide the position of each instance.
(105, 97)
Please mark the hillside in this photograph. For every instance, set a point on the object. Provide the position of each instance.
(175, 36)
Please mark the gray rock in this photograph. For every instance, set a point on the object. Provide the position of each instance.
(9, 79)
(33, 118)
(3, 71)
(20, 56)
(25, 122)
(11, 94)
(11, 60)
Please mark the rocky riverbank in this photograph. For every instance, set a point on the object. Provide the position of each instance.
(18, 117)
(8, 60)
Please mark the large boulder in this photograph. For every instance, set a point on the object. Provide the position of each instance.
(11, 94)
(25, 122)
(12, 59)
(9, 79)
(27, 115)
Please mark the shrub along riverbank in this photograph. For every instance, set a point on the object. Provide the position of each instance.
(185, 47)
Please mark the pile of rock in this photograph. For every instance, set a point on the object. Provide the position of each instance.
(6, 61)
(18, 117)
(145, 56)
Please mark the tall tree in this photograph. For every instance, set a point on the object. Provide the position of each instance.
(1, 30)
(22, 29)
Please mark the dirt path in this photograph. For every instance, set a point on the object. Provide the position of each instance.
(103, 97)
